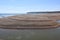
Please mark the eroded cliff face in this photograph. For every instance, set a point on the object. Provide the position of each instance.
(30, 21)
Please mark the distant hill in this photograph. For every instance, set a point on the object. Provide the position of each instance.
(43, 12)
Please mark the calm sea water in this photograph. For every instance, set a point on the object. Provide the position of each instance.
(43, 34)
(1, 16)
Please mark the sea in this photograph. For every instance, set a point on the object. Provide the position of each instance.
(6, 15)
(29, 34)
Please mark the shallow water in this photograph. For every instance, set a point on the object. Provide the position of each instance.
(43, 34)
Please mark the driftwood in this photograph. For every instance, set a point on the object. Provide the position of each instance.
(30, 21)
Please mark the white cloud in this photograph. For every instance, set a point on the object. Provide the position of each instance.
(12, 10)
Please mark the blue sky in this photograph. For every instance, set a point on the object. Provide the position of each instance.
(23, 6)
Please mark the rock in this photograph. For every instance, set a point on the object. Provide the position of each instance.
(30, 21)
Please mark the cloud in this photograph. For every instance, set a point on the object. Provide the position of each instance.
(12, 10)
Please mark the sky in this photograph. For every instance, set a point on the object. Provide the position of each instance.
(23, 6)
